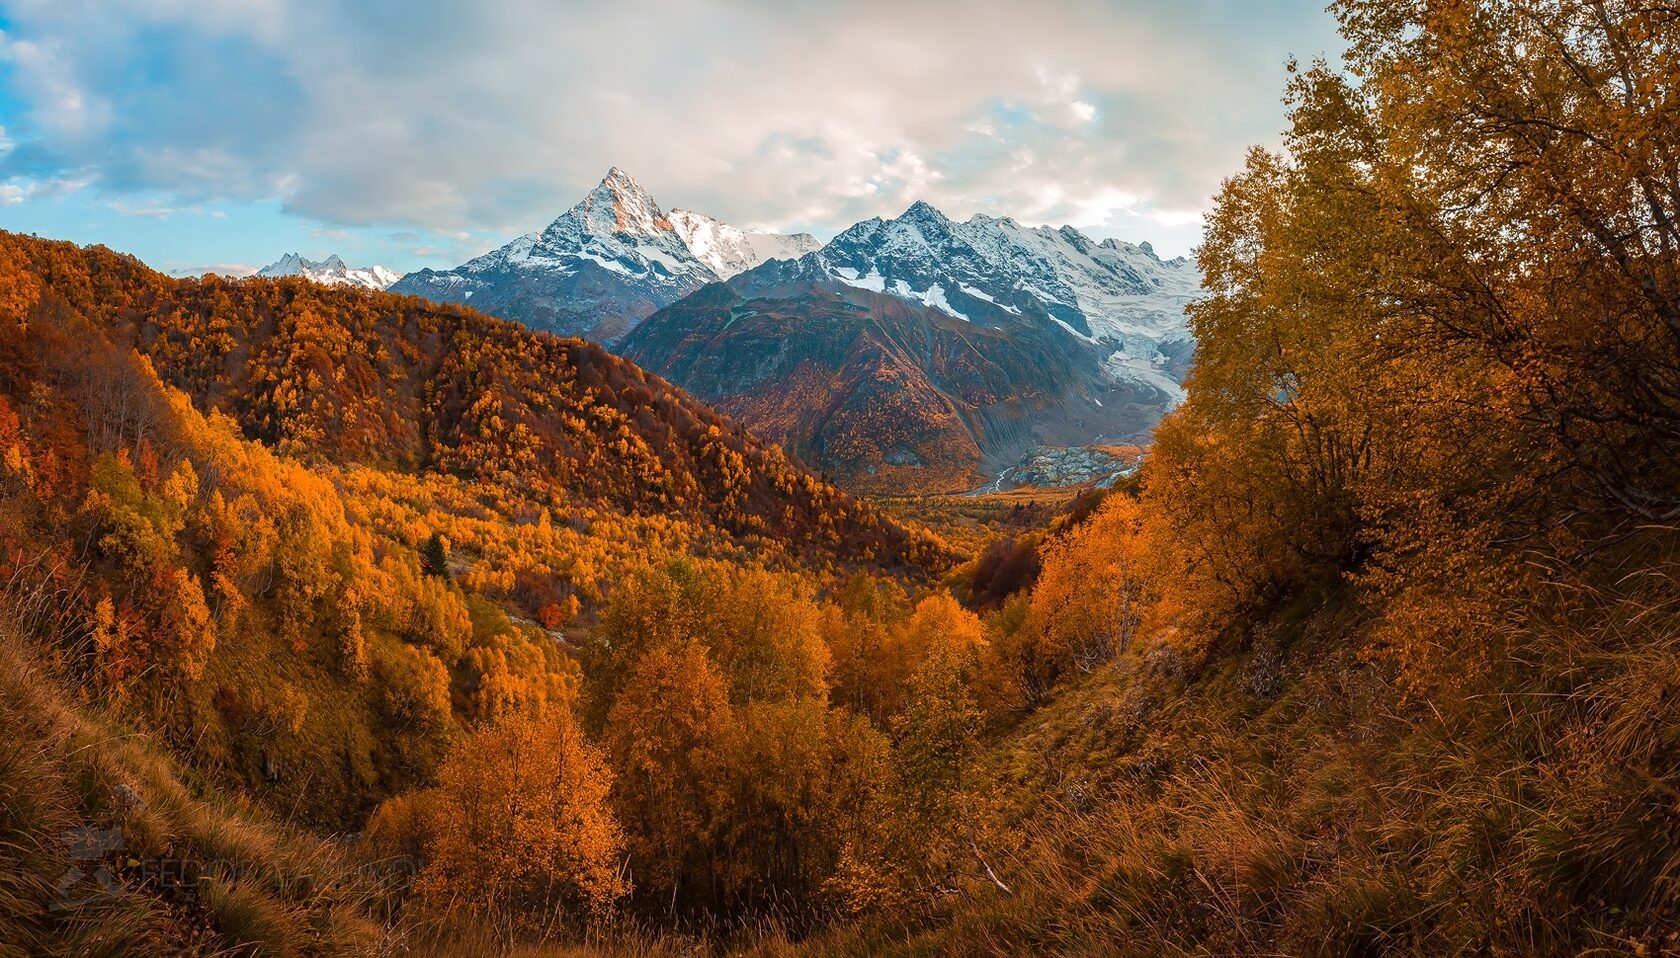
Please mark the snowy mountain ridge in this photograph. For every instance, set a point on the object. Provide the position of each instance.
(330, 272)
(613, 259)
(729, 250)
(1116, 295)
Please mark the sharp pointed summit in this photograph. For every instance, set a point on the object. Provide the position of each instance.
(605, 264)
(923, 210)
(617, 205)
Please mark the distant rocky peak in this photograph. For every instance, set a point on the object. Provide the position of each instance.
(330, 271)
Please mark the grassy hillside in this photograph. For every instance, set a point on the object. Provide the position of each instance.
(1380, 659)
(114, 849)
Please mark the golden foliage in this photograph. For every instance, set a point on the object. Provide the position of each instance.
(520, 824)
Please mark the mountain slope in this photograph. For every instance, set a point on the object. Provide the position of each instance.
(330, 272)
(395, 382)
(919, 353)
(883, 392)
(604, 265)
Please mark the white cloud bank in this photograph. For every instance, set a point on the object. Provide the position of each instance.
(495, 115)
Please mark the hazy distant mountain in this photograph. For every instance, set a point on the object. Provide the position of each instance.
(330, 271)
(603, 265)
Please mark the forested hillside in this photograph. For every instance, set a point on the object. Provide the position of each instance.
(384, 523)
(347, 377)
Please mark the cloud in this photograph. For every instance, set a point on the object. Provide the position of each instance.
(231, 270)
(150, 210)
(449, 115)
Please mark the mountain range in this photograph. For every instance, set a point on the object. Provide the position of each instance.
(916, 352)
(330, 272)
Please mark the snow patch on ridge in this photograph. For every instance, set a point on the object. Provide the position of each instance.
(935, 296)
(874, 282)
(729, 250)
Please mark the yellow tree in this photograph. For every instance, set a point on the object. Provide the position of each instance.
(187, 617)
(765, 634)
(1533, 147)
(919, 836)
(793, 780)
(861, 626)
(522, 827)
(1093, 593)
(662, 733)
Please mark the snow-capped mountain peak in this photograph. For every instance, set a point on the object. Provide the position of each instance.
(618, 205)
(729, 250)
(595, 271)
(330, 272)
(922, 209)
(1118, 296)
(602, 266)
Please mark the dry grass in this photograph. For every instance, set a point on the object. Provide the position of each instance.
(1286, 799)
(1536, 814)
(66, 764)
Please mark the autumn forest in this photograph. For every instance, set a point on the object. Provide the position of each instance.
(355, 624)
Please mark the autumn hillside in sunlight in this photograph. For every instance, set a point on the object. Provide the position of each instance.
(1379, 653)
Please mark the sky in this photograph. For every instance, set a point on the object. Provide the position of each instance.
(223, 133)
